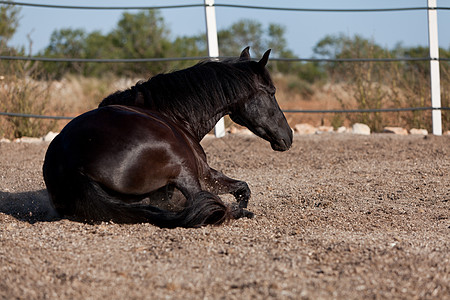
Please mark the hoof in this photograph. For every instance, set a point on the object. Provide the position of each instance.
(247, 214)
(238, 212)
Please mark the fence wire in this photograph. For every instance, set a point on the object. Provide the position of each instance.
(375, 110)
(333, 111)
(168, 59)
(101, 60)
(224, 5)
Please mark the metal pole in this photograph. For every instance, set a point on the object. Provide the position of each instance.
(213, 51)
(434, 67)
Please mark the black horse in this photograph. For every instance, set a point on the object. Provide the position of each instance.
(143, 144)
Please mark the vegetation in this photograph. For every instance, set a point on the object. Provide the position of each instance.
(376, 85)
(144, 34)
(20, 92)
(9, 20)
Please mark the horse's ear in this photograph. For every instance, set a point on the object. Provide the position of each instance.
(264, 59)
(245, 54)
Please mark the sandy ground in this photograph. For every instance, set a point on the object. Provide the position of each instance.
(339, 216)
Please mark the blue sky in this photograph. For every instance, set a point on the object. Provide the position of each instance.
(303, 29)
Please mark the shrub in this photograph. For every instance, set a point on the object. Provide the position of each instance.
(22, 93)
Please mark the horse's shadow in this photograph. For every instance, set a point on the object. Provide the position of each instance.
(32, 207)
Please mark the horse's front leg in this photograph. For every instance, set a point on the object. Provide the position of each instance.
(218, 183)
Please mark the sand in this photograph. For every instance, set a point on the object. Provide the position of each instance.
(338, 216)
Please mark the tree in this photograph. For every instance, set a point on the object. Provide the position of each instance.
(240, 35)
(277, 42)
(65, 43)
(344, 47)
(141, 35)
(9, 21)
(188, 46)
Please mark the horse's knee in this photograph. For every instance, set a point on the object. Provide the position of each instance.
(242, 194)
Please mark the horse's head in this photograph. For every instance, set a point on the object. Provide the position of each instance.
(260, 112)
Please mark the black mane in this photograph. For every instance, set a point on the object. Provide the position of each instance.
(207, 85)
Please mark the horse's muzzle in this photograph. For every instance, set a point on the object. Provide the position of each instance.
(282, 144)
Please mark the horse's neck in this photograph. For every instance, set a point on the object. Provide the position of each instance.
(202, 122)
(199, 116)
(209, 123)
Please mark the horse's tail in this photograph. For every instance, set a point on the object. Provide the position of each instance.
(91, 203)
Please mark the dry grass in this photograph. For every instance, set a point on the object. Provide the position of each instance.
(74, 95)
(79, 94)
(26, 96)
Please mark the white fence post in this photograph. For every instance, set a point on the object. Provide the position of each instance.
(213, 51)
(434, 67)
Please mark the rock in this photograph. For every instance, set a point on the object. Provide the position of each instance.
(322, 129)
(418, 131)
(3, 140)
(359, 128)
(232, 130)
(50, 136)
(29, 140)
(245, 131)
(304, 128)
(396, 130)
(342, 129)
(447, 132)
(241, 131)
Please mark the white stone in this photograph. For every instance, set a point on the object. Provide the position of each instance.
(418, 131)
(359, 128)
(245, 131)
(240, 131)
(28, 140)
(232, 130)
(342, 129)
(50, 136)
(304, 128)
(396, 130)
(321, 129)
(3, 140)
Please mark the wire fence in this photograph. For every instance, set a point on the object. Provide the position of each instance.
(169, 59)
(281, 59)
(223, 5)
(307, 111)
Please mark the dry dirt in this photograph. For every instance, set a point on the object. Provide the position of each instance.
(339, 216)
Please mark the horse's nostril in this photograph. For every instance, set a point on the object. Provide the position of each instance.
(287, 143)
